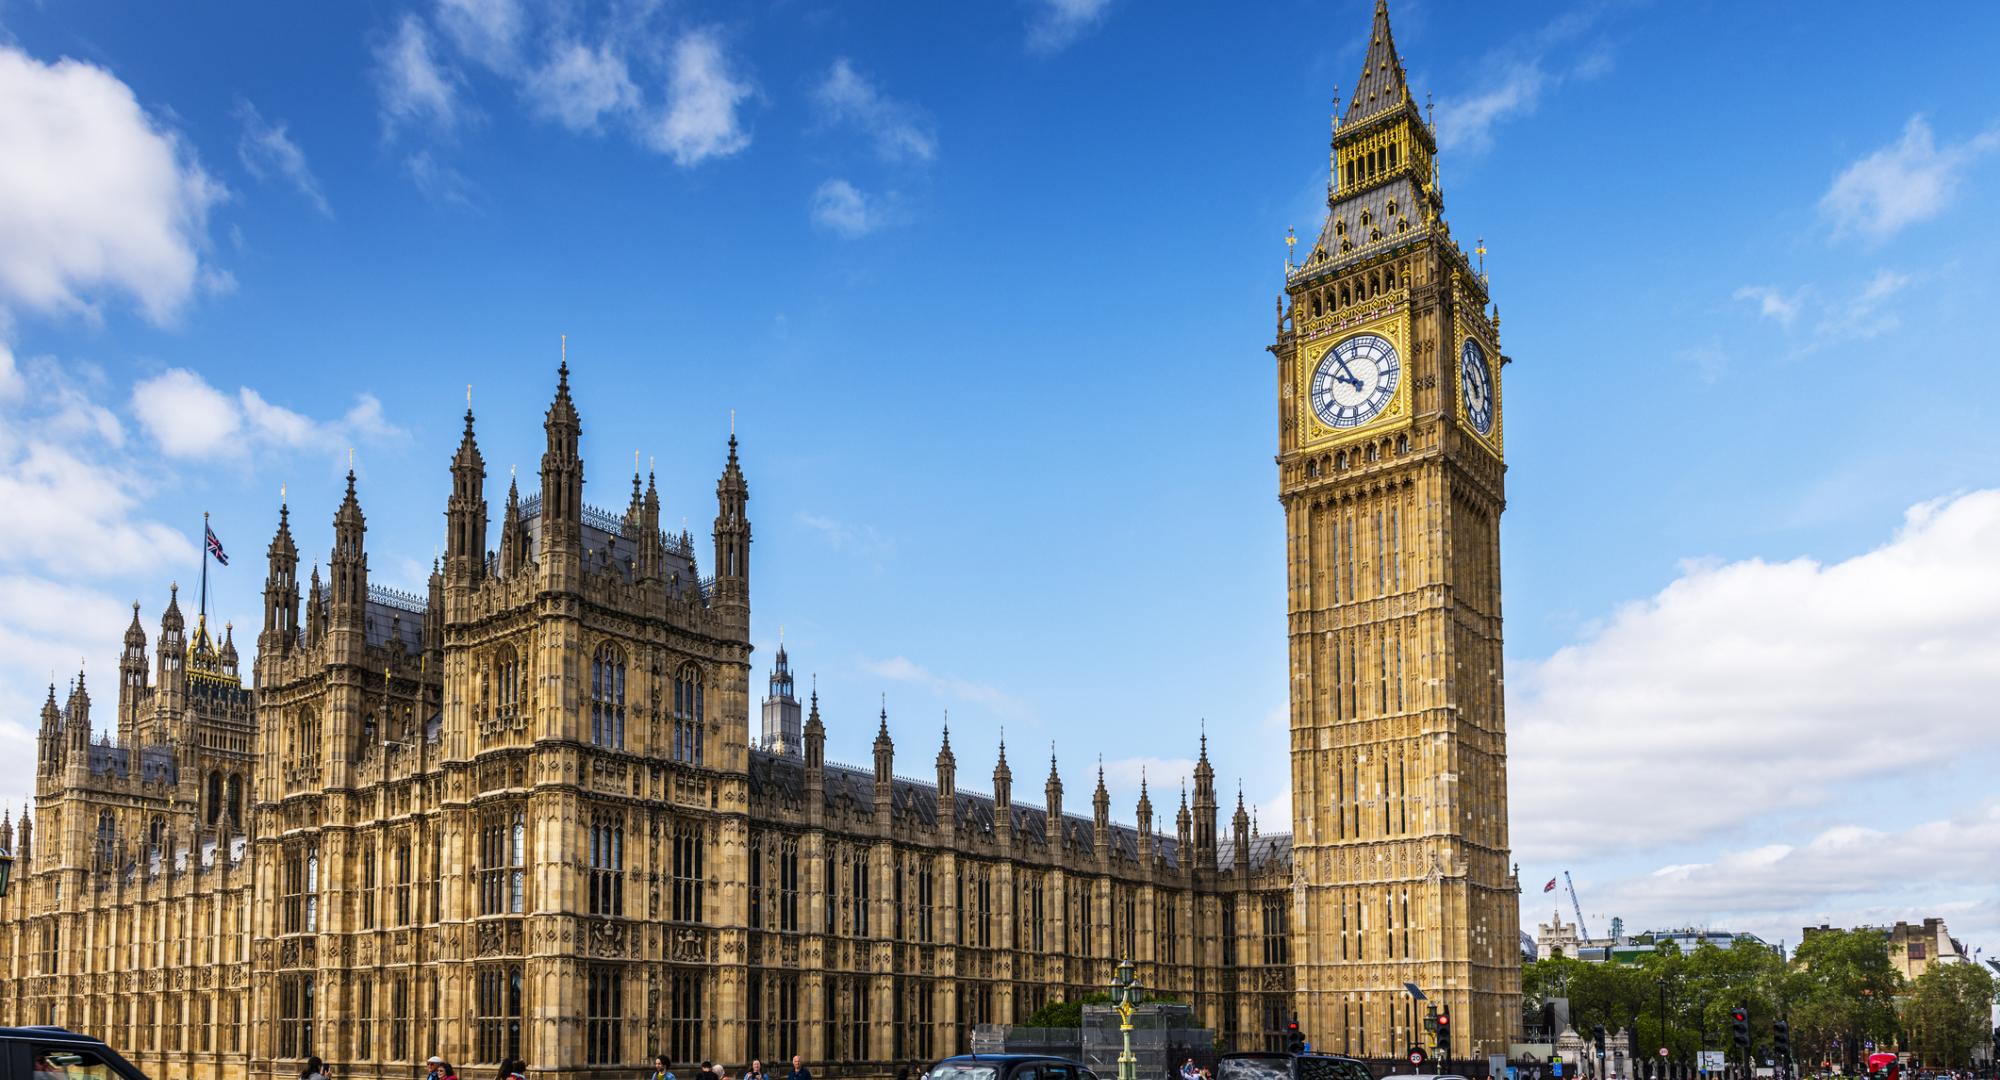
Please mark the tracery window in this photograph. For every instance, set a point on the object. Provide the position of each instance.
(604, 1014)
(497, 1024)
(107, 839)
(402, 886)
(684, 998)
(367, 898)
(607, 697)
(688, 873)
(503, 846)
(689, 711)
(1277, 928)
(299, 891)
(607, 864)
(295, 1016)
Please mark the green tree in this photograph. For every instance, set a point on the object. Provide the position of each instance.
(1840, 991)
(1946, 1013)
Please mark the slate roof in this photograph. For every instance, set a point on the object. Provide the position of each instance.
(392, 614)
(156, 763)
(782, 777)
(1382, 85)
(611, 545)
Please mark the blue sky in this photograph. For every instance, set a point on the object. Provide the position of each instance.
(988, 288)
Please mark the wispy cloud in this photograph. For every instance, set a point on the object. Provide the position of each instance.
(704, 95)
(1910, 180)
(417, 88)
(1556, 54)
(899, 131)
(579, 85)
(488, 31)
(863, 538)
(268, 151)
(841, 207)
(1058, 24)
(1816, 321)
(904, 670)
(1774, 303)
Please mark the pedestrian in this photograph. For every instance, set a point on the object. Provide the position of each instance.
(436, 1068)
(799, 1070)
(660, 1070)
(516, 1070)
(1190, 1071)
(756, 1070)
(314, 1070)
(720, 1072)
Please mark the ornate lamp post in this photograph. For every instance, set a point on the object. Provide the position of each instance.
(1125, 994)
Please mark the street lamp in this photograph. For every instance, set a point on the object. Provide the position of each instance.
(1125, 995)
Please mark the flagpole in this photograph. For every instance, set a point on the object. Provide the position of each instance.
(204, 569)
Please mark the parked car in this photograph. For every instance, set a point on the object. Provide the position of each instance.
(1008, 1067)
(1289, 1067)
(51, 1053)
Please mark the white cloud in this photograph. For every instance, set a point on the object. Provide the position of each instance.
(703, 96)
(1908, 181)
(1057, 24)
(843, 536)
(188, 418)
(843, 208)
(437, 180)
(10, 375)
(904, 670)
(95, 194)
(267, 150)
(72, 500)
(1844, 874)
(1466, 124)
(1753, 689)
(1773, 303)
(579, 85)
(488, 31)
(415, 87)
(899, 131)
(1531, 66)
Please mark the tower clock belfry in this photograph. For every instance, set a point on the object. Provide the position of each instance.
(1391, 469)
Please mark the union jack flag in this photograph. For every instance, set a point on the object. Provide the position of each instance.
(1550, 887)
(215, 546)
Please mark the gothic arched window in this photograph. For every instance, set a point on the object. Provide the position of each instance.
(607, 697)
(506, 684)
(107, 838)
(235, 799)
(689, 712)
(214, 796)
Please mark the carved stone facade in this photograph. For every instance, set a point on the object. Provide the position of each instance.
(524, 816)
(1391, 477)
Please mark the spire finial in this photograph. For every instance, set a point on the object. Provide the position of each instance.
(350, 459)
(562, 370)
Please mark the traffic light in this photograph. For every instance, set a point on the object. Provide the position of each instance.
(1597, 1036)
(1431, 1020)
(1781, 1041)
(1295, 1040)
(1739, 1026)
(1444, 1032)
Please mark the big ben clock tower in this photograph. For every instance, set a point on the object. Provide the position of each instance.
(1390, 469)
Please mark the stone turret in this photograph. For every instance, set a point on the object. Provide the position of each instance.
(947, 782)
(131, 682)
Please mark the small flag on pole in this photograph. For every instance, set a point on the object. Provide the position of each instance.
(215, 546)
(1550, 887)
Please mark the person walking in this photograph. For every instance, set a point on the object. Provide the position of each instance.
(756, 1070)
(799, 1070)
(314, 1069)
(660, 1069)
(1190, 1071)
(515, 1070)
(437, 1067)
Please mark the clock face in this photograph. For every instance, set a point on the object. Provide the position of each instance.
(1355, 381)
(1475, 380)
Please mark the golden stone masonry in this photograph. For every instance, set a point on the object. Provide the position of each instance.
(524, 815)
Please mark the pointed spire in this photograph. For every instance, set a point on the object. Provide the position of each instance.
(135, 634)
(1382, 85)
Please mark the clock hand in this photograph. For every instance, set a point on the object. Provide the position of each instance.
(1349, 379)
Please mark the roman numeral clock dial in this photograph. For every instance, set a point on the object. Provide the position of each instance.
(1355, 381)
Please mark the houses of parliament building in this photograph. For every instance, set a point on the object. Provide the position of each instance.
(525, 815)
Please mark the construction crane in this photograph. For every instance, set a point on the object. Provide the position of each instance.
(1581, 931)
